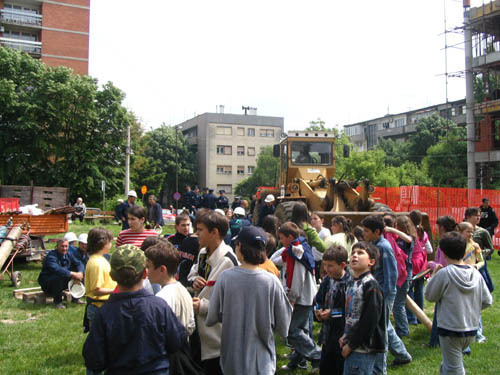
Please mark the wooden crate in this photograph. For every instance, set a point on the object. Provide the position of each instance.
(45, 197)
(40, 225)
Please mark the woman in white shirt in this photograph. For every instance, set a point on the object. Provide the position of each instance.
(341, 234)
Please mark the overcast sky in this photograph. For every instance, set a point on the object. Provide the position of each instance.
(341, 61)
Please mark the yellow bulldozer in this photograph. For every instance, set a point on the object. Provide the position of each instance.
(307, 168)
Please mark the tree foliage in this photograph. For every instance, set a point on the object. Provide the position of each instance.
(59, 129)
(266, 173)
(154, 164)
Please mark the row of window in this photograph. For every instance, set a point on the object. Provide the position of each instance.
(240, 169)
(20, 35)
(240, 131)
(20, 8)
(240, 150)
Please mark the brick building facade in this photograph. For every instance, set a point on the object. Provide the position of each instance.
(55, 31)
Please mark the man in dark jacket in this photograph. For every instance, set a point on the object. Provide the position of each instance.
(190, 200)
(211, 199)
(154, 212)
(56, 272)
(222, 201)
(122, 209)
(489, 219)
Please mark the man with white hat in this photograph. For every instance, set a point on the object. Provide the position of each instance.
(267, 209)
(123, 208)
(80, 252)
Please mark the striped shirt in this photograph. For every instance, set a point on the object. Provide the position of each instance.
(127, 237)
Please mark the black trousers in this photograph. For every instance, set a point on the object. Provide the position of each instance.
(332, 362)
(54, 287)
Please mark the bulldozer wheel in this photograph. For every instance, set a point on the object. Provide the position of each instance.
(284, 211)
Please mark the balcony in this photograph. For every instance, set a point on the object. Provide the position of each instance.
(20, 18)
(33, 48)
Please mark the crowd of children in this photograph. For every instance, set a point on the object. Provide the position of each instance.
(210, 302)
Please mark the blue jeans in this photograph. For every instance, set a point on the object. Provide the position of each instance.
(399, 310)
(394, 344)
(434, 340)
(416, 293)
(359, 364)
(298, 336)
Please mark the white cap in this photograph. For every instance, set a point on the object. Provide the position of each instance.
(120, 200)
(132, 193)
(83, 238)
(269, 198)
(70, 237)
(220, 211)
(239, 211)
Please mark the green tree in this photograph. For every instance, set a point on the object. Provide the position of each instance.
(446, 161)
(59, 129)
(266, 173)
(429, 131)
(154, 164)
(396, 152)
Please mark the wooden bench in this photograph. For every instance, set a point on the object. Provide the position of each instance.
(96, 214)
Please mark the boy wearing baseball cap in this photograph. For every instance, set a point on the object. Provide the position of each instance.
(133, 332)
(251, 304)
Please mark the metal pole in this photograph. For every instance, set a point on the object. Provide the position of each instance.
(469, 98)
(176, 170)
(127, 162)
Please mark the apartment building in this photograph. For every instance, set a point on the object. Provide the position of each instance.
(366, 134)
(485, 21)
(228, 145)
(55, 31)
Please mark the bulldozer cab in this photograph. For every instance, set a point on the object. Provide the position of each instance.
(306, 155)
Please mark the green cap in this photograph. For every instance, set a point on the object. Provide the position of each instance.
(128, 256)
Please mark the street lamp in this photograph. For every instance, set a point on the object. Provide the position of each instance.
(176, 167)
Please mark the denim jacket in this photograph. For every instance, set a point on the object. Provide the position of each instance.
(386, 272)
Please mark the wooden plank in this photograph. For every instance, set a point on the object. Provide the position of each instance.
(18, 293)
(41, 224)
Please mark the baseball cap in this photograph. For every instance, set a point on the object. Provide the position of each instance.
(252, 236)
(70, 237)
(132, 193)
(83, 238)
(239, 211)
(269, 198)
(220, 211)
(128, 256)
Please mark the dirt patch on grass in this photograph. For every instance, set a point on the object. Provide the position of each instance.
(29, 318)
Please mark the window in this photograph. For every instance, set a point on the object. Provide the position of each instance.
(240, 151)
(267, 133)
(224, 150)
(240, 132)
(251, 169)
(224, 130)
(251, 151)
(400, 122)
(227, 188)
(241, 170)
(224, 169)
(385, 125)
(251, 132)
(313, 152)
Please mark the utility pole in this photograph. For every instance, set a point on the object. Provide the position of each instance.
(127, 162)
(469, 98)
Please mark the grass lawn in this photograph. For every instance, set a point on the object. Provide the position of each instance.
(38, 339)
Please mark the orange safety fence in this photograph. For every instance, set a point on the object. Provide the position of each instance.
(437, 201)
